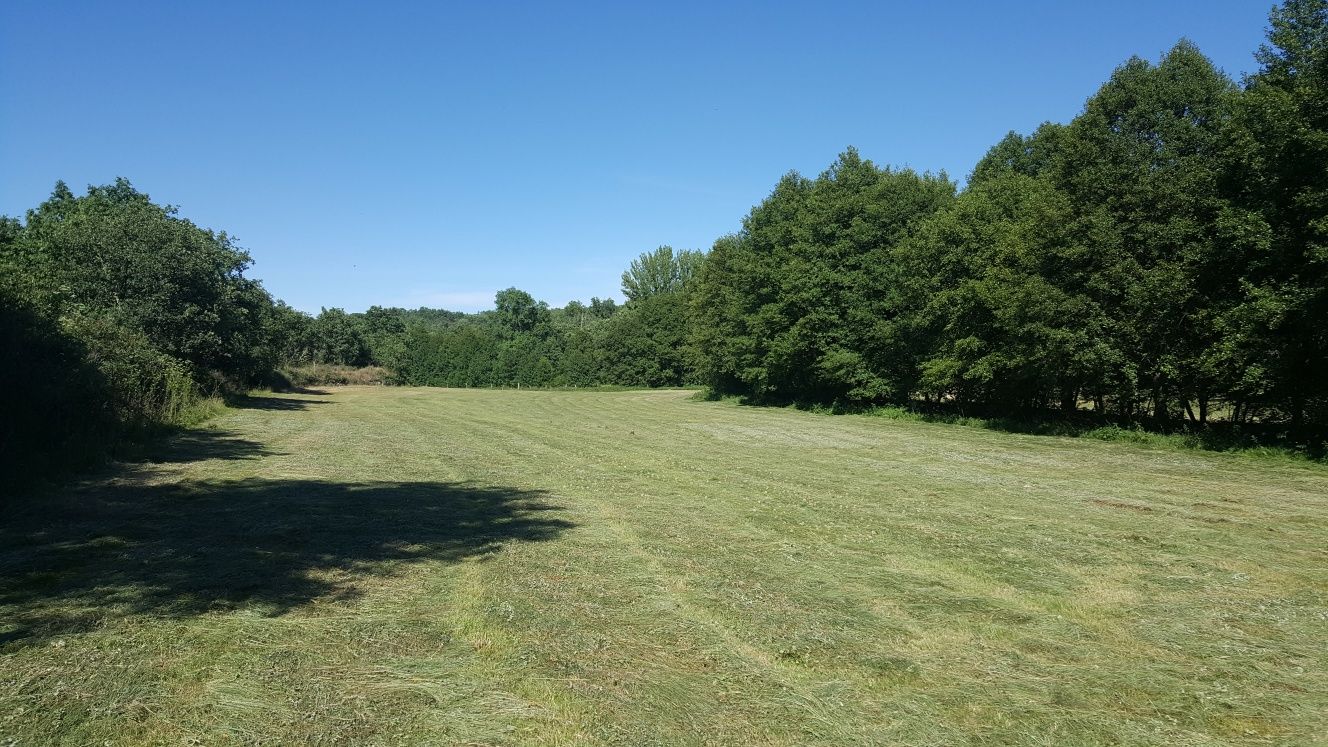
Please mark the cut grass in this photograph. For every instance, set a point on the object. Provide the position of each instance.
(383, 565)
(1257, 441)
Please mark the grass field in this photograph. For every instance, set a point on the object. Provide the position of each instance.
(401, 566)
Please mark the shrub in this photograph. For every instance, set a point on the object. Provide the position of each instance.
(77, 386)
(145, 387)
(55, 414)
(328, 374)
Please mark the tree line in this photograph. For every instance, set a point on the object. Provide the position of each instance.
(120, 317)
(522, 341)
(1161, 257)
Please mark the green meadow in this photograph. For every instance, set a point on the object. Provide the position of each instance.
(372, 565)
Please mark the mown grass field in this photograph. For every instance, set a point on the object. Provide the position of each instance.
(405, 566)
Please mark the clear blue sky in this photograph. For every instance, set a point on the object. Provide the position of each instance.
(432, 153)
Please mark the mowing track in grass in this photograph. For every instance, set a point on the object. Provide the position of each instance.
(382, 565)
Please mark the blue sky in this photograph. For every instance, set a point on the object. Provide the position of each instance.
(429, 154)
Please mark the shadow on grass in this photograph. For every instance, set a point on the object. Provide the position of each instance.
(1266, 438)
(249, 402)
(187, 445)
(1272, 439)
(183, 549)
(304, 390)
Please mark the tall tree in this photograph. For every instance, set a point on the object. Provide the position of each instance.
(338, 337)
(1276, 338)
(1144, 162)
(791, 306)
(384, 335)
(1003, 317)
(518, 312)
(115, 253)
(660, 271)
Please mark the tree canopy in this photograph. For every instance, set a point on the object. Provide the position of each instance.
(660, 271)
(1161, 258)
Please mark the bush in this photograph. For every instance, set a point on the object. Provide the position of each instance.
(55, 414)
(145, 387)
(328, 374)
(77, 386)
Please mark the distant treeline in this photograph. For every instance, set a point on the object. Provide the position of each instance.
(522, 342)
(118, 317)
(1162, 257)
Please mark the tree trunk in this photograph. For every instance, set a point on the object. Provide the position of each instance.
(1160, 413)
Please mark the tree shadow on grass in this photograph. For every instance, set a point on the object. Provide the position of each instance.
(1307, 442)
(187, 548)
(195, 445)
(250, 402)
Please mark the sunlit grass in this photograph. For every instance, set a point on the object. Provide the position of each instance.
(382, 565)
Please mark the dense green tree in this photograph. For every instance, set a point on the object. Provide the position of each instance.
(338, 337)
(660, 271)
(54, 398)
(791, 305)
(1004, 317)
(1145, 159)
(575, 315)
(580, 363)
(516, 312)
(579, 316)
(464, 355)
(119, 314)
(1032, 155)
(1275, 340)
(528, 360)
(289, 332)
(603, 308)
(384, 332)
(429, 318)
(114, 252)
(646, 344)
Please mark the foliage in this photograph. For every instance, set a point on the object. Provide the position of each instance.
(525, 343)
(660, 271)
(55, 414)
(115, 253)
(791, 307)
(1162, 257)
(646, 344)
(1275, 335)
(335, 337)
(125, 317)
